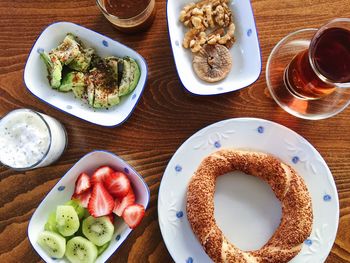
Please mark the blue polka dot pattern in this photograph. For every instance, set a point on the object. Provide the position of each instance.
(126, 170)
(327, 198)
(220, 88)
(61, 188)
(179, 214)
(260, 129)
(249, 32)
(177, 43)
(217, 144)
(295, 159)
(105, 43)
(133, 97)
(178, 168)
(117, 237)
(189, 260)
(40, 50)
(308, 242)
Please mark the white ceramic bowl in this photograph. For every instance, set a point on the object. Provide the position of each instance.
(245, 52)
(35, 74)
(64, 189)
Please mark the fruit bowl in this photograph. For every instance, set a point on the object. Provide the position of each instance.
(63, 190)
(35, 75)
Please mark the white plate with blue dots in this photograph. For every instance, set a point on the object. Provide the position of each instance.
(246, 208)
(246, 57)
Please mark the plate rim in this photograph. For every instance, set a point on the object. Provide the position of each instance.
(217, 92)
(332, 181)
(67, 112)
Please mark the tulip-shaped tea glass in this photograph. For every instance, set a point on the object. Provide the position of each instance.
(308, 71)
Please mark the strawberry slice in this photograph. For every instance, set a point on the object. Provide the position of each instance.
(83, 198)
(82, 183)
(100, 174)
(121, 203)
(133, 215)
(117, 184)
(101, 203)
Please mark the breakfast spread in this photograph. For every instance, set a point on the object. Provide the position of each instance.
(100, 81)
(288, 186)
(82, 228)
(210, 23)
(29, 139)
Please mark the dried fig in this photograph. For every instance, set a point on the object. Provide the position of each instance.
(212, 63)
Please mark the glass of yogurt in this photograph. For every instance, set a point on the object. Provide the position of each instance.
(29, 139)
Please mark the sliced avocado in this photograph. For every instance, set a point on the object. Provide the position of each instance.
(90, 94)
(113, 62)
(82, 61)
(113, 97)
(67, 50)
(54, 68)
(101, 98)
(103, 83)
(131, 76)
(74, 81)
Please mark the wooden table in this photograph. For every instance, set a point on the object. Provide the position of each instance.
(165, 116)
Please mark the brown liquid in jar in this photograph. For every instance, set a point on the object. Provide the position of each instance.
(139, 13)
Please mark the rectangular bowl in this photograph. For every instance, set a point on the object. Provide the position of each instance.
(63, 190)
(246, 58)
(35, 75)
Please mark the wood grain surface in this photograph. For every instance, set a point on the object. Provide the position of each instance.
(164, 118)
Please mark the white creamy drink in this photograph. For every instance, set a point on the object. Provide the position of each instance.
(29, 139)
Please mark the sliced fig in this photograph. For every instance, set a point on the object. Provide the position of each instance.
(212, 63)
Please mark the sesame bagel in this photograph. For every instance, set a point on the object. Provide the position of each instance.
(288, 186)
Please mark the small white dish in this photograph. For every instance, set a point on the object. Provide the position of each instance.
(245, 52)
(64, 189)
(246, 209)
(35, 75)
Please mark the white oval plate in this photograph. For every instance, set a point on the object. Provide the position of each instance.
(245, 52)
(35, 75)
(64, 189)
(245, 207)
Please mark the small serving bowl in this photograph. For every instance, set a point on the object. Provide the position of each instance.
(245, 52)
(63, 190)
(35, 75)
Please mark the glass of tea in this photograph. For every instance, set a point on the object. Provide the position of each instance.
(128, 15)
(308, 71)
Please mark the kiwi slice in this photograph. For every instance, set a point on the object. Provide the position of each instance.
(67, 220)
(51, 223)
(102, 249)
(99, 230)
(77, 207)
(53, 244)
(81, 250)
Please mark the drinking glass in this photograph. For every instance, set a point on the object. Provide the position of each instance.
(29, 139)
(308, 71)
(128, 16)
